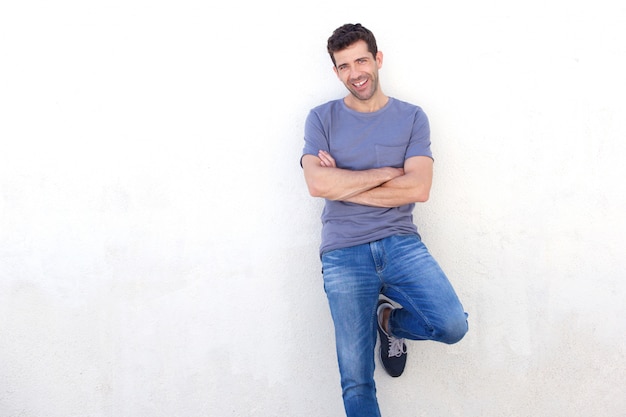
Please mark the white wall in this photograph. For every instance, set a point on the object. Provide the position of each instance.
(158, 247)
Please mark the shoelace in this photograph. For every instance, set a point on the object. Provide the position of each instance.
(396, 347)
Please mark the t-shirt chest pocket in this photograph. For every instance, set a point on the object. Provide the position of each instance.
(390, 156)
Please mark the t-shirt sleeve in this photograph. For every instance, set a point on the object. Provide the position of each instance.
(315, 138)
(419, 143)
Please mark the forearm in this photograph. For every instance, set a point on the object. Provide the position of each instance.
(389, 194)
(341, 184)
(412, 187)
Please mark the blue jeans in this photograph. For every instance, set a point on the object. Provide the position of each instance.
(402, 269)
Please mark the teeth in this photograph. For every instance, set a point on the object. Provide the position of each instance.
(360, 84)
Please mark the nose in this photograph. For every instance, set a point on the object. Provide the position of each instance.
(354, 74)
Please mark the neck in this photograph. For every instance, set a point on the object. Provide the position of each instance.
(370, 105)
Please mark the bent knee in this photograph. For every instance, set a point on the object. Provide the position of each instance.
(453, 330)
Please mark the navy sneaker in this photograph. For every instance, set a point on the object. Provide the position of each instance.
(392, 349)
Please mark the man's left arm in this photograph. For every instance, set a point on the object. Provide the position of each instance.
(412, 187)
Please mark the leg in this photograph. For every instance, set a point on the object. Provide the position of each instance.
(431, 309)
(352, 287)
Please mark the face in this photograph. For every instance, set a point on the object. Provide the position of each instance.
(357, 69)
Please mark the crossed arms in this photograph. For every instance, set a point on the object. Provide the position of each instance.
(377, 187)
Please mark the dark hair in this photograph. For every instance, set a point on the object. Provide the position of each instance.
(348, 34)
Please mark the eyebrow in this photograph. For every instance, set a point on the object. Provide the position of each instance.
(357, 59)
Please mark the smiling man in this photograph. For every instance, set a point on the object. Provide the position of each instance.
(368, 155)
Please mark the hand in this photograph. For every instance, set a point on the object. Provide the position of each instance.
(326, 159)
(393, 172)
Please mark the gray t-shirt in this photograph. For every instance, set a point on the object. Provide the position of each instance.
(359, 141)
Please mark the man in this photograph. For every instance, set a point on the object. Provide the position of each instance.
(368, 155)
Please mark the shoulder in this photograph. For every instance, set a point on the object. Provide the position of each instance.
(409, 111)
(324, 114)
(405, 106)
(327, 107)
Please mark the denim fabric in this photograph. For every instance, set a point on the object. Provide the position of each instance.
(402, 269)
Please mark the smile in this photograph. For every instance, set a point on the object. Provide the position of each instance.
(359, 84)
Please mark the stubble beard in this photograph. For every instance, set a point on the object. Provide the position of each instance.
(373, 80)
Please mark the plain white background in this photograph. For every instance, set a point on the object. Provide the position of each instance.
(158, 248)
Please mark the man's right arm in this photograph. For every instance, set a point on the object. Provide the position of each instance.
(325, 180)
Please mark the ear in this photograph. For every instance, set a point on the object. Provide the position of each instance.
(336, 71)
(379, 59)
